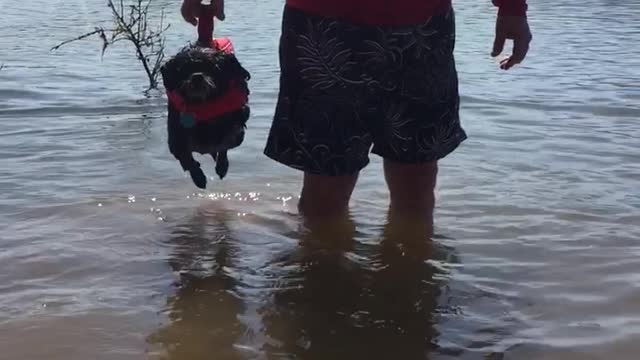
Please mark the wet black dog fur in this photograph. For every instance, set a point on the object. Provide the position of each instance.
(201, 74)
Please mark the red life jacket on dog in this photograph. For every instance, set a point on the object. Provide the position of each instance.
(233, 100)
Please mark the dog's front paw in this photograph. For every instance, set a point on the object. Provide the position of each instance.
(222, 164)
(198, 178)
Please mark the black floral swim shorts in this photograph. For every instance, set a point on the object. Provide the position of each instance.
(345, 87)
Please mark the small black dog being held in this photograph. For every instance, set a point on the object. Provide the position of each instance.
(207, 95)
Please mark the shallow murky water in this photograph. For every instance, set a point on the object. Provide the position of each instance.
(106, 251)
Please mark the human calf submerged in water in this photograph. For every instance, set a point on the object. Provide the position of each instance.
(207, 94)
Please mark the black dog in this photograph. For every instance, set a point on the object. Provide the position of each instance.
(207, 104)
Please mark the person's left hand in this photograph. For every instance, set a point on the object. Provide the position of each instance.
(517, 29)
(191, 9)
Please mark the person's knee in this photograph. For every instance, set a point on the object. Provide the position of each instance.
(411, 186)
(326, 195)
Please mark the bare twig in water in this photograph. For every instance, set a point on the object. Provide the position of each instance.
(131, 23)
(99, 31)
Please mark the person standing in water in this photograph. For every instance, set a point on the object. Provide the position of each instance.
(379, 75)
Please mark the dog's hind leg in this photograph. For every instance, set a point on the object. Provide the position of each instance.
(222, 163)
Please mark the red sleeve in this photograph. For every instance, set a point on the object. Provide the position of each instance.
(511, 7)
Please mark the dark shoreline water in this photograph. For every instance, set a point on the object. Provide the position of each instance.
(107, 251)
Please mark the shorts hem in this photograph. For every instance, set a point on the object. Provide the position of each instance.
(424, 159)
(310, 169)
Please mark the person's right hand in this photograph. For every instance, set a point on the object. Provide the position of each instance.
(191, 9)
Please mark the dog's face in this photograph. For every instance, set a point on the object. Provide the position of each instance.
(199, 74)
(197, 88)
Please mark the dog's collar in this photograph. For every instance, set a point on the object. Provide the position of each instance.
(232, 101)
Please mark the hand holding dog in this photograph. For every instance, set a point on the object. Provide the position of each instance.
(191, 10)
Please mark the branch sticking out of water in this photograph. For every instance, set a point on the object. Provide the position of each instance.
(131, 24)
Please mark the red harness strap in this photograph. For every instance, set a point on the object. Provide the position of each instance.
(232, 101)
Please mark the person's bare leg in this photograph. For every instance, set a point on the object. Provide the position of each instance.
(412, 191)
(326, 196)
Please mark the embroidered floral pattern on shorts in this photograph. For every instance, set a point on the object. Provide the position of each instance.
(344, 88)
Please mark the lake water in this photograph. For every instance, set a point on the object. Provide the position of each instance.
(107, 251)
